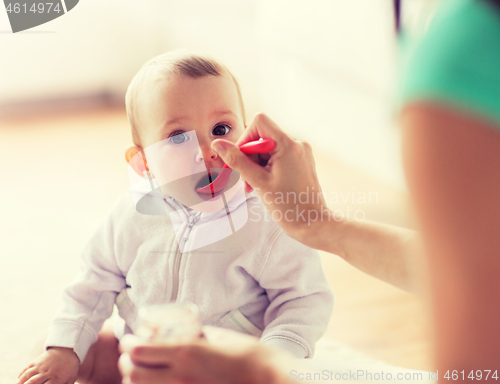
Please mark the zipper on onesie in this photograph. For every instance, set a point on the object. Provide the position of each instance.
(178, 256)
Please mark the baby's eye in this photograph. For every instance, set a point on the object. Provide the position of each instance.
(179, 138)
(221, 130)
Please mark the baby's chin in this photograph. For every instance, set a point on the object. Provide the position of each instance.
(213, 205)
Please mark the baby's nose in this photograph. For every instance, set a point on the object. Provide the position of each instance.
(206, 153)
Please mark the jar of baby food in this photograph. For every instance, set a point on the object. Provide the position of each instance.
(170, 323)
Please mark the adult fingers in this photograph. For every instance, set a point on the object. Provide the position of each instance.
(140, 375)
(261, 126)
(129, 342)
(165, 355)
(192, 364)
(136, 374)
(125, 364)
(145, 375)
(251, 172)
(135, 351)
(154, 356)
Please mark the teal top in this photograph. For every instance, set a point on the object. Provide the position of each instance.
(457, 61)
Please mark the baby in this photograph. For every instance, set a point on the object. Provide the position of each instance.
(175, 239)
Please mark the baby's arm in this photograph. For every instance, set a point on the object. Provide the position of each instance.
(301, 300)
(87, 303)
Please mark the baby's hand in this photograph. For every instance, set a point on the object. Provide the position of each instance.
(54, 366)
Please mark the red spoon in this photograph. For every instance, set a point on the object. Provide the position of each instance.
(253, 147)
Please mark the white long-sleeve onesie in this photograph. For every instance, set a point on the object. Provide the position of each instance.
(257, 280)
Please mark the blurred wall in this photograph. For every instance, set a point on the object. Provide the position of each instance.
(95, 47)
(323, 69)
(328, 74)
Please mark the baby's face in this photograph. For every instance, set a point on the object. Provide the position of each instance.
(181, 116)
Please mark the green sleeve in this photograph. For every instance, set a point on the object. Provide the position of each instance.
(457, 61)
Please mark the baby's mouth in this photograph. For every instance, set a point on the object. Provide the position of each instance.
(206, 179)
(213, 182)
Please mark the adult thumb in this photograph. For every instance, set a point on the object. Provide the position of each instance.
(251, 172)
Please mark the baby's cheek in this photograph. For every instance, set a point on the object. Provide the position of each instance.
(185, 165)
(168, 168)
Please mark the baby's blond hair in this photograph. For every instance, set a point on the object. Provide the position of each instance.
(179, 62)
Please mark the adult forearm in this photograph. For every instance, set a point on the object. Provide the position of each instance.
(381, 250)
(452, 162)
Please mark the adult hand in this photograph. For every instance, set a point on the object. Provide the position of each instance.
(288, 184)
(223, 357)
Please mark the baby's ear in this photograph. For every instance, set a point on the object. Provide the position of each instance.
(133, 156)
